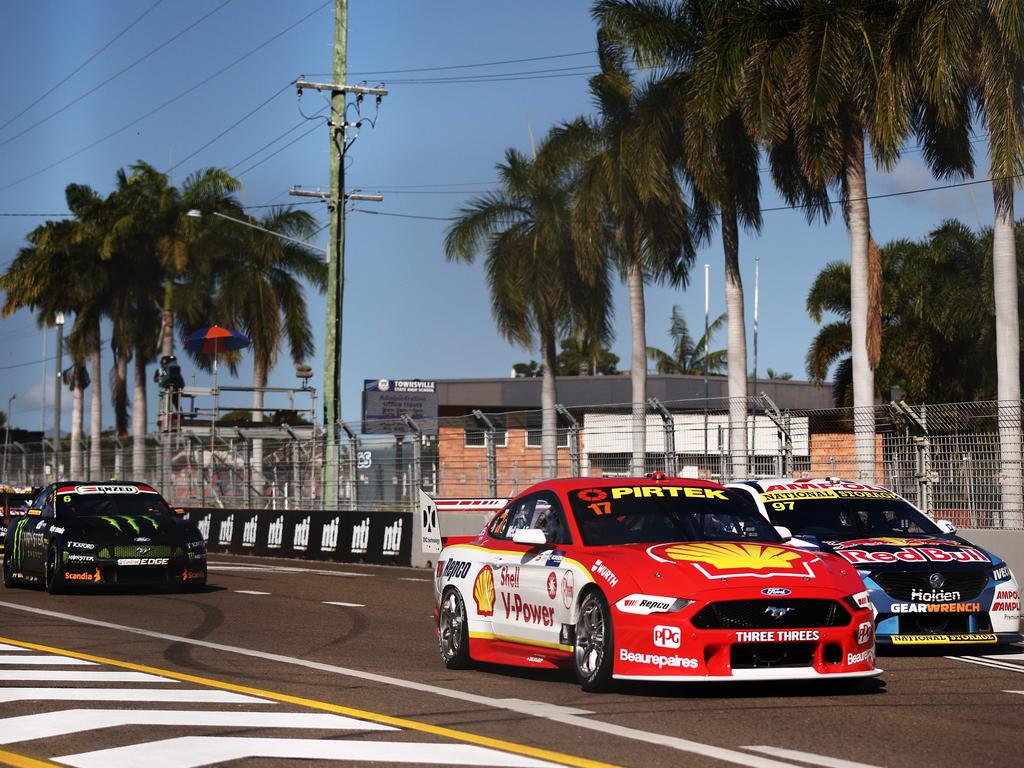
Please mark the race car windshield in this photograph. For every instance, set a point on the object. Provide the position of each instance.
(849, 518)
(99, 505)
(666, 514)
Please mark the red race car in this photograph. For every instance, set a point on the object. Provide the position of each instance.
(655, 578)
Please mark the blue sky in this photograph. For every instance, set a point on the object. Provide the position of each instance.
(407, 313)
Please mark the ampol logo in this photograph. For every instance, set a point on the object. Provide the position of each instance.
(552, 585)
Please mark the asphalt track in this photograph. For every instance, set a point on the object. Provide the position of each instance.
(293, 663)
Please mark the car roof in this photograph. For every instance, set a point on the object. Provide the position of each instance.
(567, 484)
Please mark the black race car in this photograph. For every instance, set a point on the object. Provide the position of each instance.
(103, 534)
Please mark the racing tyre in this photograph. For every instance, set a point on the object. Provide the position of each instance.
(594, 655)
(54, 571)
(9, 580)
(453, 631)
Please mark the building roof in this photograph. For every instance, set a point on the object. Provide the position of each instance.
(459, 396)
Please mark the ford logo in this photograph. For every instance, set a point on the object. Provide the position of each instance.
(775, 591)
(142, 539)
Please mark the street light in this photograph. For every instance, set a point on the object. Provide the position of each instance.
(195, 213)
(7, 436)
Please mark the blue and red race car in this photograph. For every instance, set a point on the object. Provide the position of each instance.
(928, 585)
(649, 578)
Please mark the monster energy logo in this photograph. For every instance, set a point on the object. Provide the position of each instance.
(132, 522)
(19, 544)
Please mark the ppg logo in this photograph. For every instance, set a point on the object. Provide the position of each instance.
(667, 637)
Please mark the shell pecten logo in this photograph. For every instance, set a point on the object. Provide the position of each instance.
(718, 560)
(483, 591)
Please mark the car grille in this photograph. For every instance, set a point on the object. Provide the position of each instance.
(757, 614)
(943, 623)
(900, 584)
(761, 655)
(137, 574)
(132, 550)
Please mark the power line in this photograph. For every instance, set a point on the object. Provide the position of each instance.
(271, 143)
(111, 79)
(170, 101)
(279, 150)
(230, 128)
(463, 66)
(83, 65)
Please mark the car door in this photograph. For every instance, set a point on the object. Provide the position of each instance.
(30, 534)
(530, 591)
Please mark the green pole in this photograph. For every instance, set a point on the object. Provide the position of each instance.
(335, 263)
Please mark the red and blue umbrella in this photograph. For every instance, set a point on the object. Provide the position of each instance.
(214, 340)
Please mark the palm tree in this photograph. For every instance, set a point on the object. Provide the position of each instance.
(629, 207)
(689, 357)
(969, 58)
(812, 84)
(259, 292)
(537, 293)
(718, 153)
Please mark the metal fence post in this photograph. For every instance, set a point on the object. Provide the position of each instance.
(783, 423)
(922, 450)
(417, 447)
(574, 438)
(492, 458)
(669, 425)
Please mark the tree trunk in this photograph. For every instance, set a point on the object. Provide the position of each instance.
(863, 374)
(77, 419)
(638, 368)
(119, 394)
(167, 320)
(1004, 268)
(736, 354)
(96, 418)
(139, 417)
(259, 379)
(548, 398)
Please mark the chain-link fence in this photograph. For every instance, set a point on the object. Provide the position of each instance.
(959, 461)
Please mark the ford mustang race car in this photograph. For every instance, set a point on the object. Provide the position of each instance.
(103, 533)
(928, 586)
(650, 578)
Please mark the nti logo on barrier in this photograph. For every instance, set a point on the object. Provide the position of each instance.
(204, 527)
(329, 535)
(275, 533)
(249, 532)
(227, 530)
(300, 539)
(361, 537)
(392, 539)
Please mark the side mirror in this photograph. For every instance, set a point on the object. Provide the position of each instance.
(533, 537)
(179, 511)
(784, 532)
(946, 526)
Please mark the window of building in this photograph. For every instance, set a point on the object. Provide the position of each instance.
(475, 435)
(533, 438)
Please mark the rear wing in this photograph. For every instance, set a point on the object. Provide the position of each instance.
(441, 519)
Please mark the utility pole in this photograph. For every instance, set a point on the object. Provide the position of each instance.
(56, 396)
(336, 246)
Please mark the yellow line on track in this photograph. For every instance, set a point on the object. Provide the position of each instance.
(398, 722)
(21, 761)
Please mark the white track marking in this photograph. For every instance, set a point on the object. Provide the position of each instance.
(989, 661)
(162, 695)
(344, 605)
(49, 658)
(250, 592)
(282, 569)
(1020, 692)
(6, 647)
(192, 751)
(62, 722)
(513, 705)
(809, 757)
(60, 675)
(406, 578)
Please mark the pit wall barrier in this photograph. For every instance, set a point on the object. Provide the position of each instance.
(383, 538)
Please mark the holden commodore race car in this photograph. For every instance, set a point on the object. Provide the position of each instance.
(14, 502)
(927, 585)
(653, 578)
(103, 534)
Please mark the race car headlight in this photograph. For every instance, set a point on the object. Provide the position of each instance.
(1002, 573)
(858, 601)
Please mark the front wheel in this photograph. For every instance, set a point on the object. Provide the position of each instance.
(593, 656)
(453, 631)
(54, 572)
(9, 580)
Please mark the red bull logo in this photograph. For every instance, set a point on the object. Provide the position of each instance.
(914, 555)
